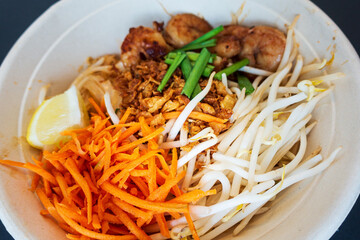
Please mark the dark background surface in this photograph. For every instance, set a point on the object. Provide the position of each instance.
(17, 15)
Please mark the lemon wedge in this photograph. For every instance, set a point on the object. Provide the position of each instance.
(55, 115)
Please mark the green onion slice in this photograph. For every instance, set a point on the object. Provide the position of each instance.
(212, 33)
(233, 68)
(178, 59)
(194, 46)
(196, 91)
(196, 72)
(186, 67)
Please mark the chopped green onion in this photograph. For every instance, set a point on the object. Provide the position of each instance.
(208, 70)
(193, 46)
(169, 61)
(233, 68)
(186, 67)
(196, 91)
(193, 56)
(208, 35)
(206, 73)
(178, 59)
(117, 110)
(171, 55)
(244, 82)
(196, 72)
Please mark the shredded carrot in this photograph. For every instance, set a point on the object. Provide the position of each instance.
(89, 233)
(152, 175)
(102, 105)
(105, 227)
(163, 163)
(12, 163)
(163, 191)
(118, 230)
(125, 116)
(141, 185)
(132, 165)
(164, 230)
(89, 181)
(48, 205)
(173, 168)
(36, 169)
(132, 210)
(72, 168)
(191, 226)
(102, 185)
(130, 131)
(97, 108)
(44, 212)
(126, 220)
(195, 115)
(96, 222)
(63, 186)
(111, 218)
(140, 141)
(149, 205)
(193, 196)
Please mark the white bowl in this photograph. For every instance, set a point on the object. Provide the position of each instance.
(51, 50)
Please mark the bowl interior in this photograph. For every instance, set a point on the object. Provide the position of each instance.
(100, 30)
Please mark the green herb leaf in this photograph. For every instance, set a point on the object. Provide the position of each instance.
(244, 82)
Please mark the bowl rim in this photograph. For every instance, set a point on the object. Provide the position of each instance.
(11, 57)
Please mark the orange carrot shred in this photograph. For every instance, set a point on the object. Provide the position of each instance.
(191, 226)
(97, 108)
(152, 174)
(72, 168)
(139, 141)
(102, 105)
(164, 230)
(193, 196)
(48, 205)
(162, 192)
(173, 168)
(141, 185)
(125, 116)
(88, 232)
(101, 184)
(152, 206)
(105, 227)
(35, 182)
(132, 165)
(96, 222)
(89, 181)
(132, 210)
(133, 228)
